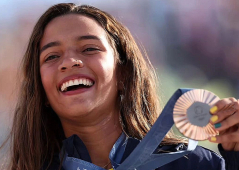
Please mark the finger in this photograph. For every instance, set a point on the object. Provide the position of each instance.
(225, 138)
(229, 122)
(222, 104)
(222, 115)
(232, 99)
(226, 111)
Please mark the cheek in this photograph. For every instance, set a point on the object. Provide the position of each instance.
(108, 67)
(47, 80)
(110, 77)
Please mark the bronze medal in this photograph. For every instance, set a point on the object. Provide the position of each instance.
(191, 114)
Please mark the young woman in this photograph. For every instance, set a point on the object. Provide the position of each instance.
(88, 88)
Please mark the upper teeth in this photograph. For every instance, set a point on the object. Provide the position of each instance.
(69, 83)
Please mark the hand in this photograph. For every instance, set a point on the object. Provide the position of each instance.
(225, 118)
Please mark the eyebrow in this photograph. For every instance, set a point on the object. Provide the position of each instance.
(80, 38)
(87, 37)
(51, 44)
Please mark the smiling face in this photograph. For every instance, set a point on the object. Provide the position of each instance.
(78, 68)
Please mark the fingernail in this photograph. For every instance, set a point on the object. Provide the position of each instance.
(213, 109)
(217, 125)
(214, 118)
(213, 139)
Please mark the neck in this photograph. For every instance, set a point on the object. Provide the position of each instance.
(98, 136)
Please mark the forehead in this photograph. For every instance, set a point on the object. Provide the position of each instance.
(70, 26)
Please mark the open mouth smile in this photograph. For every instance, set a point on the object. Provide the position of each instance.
(76, 84)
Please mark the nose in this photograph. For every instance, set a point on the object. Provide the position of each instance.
(70, 63)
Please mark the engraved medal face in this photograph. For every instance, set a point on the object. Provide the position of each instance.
(191, 114)
(198, 114)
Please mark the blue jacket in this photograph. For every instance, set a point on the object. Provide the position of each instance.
(76, 154)
(199, 159)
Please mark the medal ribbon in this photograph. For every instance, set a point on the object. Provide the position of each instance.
(142, 157)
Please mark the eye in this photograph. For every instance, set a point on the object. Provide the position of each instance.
(91, 50)
(51, 57)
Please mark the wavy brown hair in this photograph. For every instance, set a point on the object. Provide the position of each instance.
(37, 132)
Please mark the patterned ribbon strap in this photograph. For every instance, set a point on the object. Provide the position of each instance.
(142, 157)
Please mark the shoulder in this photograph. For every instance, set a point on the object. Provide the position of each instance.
(203, 154)
(200, 158)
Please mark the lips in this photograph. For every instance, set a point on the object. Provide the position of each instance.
(75, 82)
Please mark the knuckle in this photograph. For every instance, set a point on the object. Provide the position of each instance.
(232, 99)
(235, 105)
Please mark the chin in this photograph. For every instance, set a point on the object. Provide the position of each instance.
(73, 114)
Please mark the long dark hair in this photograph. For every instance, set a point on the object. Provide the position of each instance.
(37, 132)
